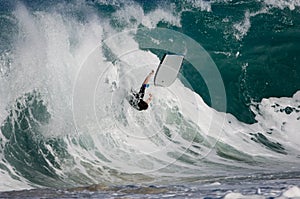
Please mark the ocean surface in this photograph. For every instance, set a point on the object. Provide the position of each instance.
(228, 127)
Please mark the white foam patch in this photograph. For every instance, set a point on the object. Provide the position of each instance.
(153, 18)
(241, 196)
(292, 192)
(281, 117)
(242, 28)
(290, 4)
(10, 184)
(202, 4)
(133, 15)
(10, 179)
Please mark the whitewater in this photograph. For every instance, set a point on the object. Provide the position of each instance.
(68, 130)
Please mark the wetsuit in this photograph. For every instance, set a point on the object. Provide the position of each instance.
(138, 102)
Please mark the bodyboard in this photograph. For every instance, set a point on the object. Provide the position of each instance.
(168, 70)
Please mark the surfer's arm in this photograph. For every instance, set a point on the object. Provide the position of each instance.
(147, 79)
(149, 99)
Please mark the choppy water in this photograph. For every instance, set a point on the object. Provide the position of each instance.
(228, 127)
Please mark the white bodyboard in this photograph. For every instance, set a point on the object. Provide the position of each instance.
(168, 70)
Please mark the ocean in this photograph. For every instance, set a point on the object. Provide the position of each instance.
(228, 127)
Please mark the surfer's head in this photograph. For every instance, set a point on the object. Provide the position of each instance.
(142, 105)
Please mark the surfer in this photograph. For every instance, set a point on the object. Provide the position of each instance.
(139, 102)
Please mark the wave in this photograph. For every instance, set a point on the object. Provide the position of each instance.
(65, 121)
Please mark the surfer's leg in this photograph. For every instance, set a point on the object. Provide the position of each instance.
(142, 91)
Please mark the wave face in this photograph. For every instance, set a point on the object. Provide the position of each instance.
(67, 67)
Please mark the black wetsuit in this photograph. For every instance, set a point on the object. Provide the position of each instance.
(138, 102)
(142, 91)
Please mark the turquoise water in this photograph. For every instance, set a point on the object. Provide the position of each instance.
(65, 66)
(268, 49)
